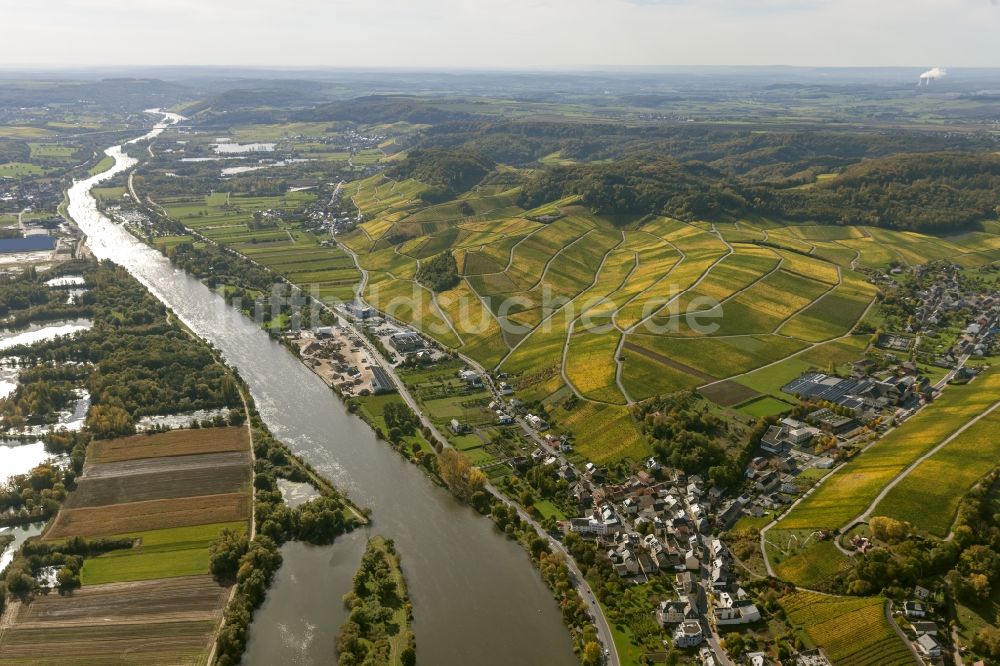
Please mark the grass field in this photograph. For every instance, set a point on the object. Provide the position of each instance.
(181, 551)
(850, 489)
(851, 631)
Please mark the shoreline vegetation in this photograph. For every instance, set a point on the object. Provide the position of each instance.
(468, 484)
(377, 632)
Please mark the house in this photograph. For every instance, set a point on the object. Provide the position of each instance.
(815, 657)
(688, 634)
(928, 646)
(921, 593)
(505, 389)
(921, 627)
(731, 612)
(456, 427)
(914, 609)
(675, 612)
(536, 422)
(471, 378)
(757, 659)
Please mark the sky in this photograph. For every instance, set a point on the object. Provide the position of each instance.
(509, 34)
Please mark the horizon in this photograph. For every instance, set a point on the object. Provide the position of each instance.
(435, 34)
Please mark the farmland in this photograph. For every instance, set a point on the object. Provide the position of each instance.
(171, 443)
(929, 495)
(851, 631)
(689, 305)
(848, 491)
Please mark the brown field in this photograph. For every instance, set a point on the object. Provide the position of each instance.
(173, 443)
(183, 642)
(187, 598)
(206, 480)
(152, 515)
(728, 393)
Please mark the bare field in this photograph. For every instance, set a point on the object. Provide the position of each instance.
(182, 642)
(152, 515)
(173, 443)
(204, 480)
(175, 464)
(186, 598)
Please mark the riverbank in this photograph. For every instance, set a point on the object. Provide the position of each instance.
(454, 558)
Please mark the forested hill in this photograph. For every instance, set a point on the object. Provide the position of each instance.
(639, 186)
(933, 192)
(927, 192)
(448, 172)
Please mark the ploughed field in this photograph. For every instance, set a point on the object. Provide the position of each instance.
(155, 603)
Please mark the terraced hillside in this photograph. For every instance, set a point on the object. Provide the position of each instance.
(570, 303)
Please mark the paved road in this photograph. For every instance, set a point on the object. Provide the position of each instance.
(601, 624)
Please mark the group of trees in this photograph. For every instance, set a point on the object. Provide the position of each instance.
(375, 598)
(439, 273)
(968, 564)
(447, 172)
(68, 556)
(466, 482)
(135, 361)
(687, 436)
(925, 192)
(637, 186)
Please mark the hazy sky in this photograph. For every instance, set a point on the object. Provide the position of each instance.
(501, 33)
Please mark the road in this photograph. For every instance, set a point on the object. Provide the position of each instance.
(603, 628)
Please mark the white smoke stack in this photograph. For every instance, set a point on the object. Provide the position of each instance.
(931, 74)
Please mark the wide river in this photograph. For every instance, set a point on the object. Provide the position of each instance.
(476, 597)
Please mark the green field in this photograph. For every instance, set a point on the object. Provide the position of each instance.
(181, 551)
(929, 496)
(849, 490)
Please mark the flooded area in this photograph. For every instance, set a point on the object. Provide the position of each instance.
(21, 533)
(18, 457)
(41, 332)
(241, 148)
(295, 493)
(174, 421)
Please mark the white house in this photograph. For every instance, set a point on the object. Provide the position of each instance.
(688, 634)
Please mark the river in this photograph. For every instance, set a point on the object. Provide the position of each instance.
(476, 597)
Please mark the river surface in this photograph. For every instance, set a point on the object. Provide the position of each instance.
(477, 599)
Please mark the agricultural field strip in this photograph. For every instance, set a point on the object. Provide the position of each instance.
(572, 325)
(808, 305)
(916, 463)
(811, 347)
(555, 256)
(738, 293)
(683, 257)
(549, 316)
(673, 298)
(180, 463)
